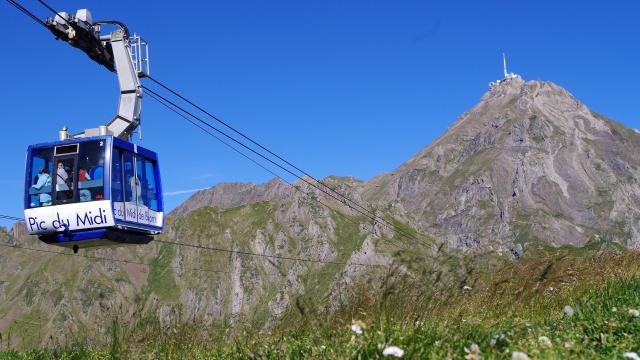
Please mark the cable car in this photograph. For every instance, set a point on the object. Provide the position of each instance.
(93, 191)
(97, 188)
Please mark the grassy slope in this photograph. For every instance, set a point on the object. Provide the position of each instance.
(514, 308)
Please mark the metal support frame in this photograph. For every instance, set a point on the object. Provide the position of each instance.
(130, 101)
(127, 56)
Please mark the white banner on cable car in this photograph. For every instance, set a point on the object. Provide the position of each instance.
(137, 213)
(78, 216)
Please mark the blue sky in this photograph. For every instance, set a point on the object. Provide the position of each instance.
(337, 87)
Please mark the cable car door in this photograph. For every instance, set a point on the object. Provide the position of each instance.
(64, 174)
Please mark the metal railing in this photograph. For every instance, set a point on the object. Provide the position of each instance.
(140, 55)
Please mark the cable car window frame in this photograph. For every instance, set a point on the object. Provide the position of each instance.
(127, 190)
(35, 195)
(116, 183)
(150, 192)
(92, 156)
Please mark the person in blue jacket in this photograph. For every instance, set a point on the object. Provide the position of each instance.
(44, 180)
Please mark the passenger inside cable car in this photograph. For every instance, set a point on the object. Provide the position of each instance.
(42, 187)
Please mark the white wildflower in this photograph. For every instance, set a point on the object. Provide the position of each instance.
(393, 351)
(498, 338)
(358, 327)
(568, 311)
(567, 345)
(634, 312)
(614, 309)
(551, 289)
(473, 352)
(545, 342)
(519, 355)
(631, 355)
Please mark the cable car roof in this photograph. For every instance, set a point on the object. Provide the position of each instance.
(135, 148)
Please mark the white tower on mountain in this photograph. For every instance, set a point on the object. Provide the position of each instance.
(507, 75)
(504, 62)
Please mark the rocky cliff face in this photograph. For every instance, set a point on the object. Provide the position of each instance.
(528, 164)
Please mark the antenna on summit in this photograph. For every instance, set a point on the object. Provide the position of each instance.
(507, 75)
(504, 62)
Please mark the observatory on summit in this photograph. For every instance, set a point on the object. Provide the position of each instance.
(507, 75)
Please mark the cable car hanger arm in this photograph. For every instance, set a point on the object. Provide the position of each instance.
(114, 52)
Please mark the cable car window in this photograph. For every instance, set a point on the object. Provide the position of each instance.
(40, 178)
(152, 193)
(130, 190)
(116, 175)
(91, 171)
(141, 181)
(116, 184)
(145, 172)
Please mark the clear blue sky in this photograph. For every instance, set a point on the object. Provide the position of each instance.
(338, 87)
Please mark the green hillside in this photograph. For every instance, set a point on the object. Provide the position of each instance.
(512, 310)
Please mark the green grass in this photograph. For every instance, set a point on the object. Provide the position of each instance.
(29, 328)
(161, 280)
(504, 312)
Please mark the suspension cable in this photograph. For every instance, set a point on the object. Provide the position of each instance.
(367, 214)
(296, 188)
(279, 257)
(99, 258)
(13, 218)
(344, 197)
(27, 12)
(202, 247)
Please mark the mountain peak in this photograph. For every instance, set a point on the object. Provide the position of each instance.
(518, 87)
(515, 98)
(528, 153)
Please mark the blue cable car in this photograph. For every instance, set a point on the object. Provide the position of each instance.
(96, 188)
(92, 191)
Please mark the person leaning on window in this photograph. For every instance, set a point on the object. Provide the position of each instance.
(44, 179)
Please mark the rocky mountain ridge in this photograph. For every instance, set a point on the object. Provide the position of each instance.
(529, 162)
